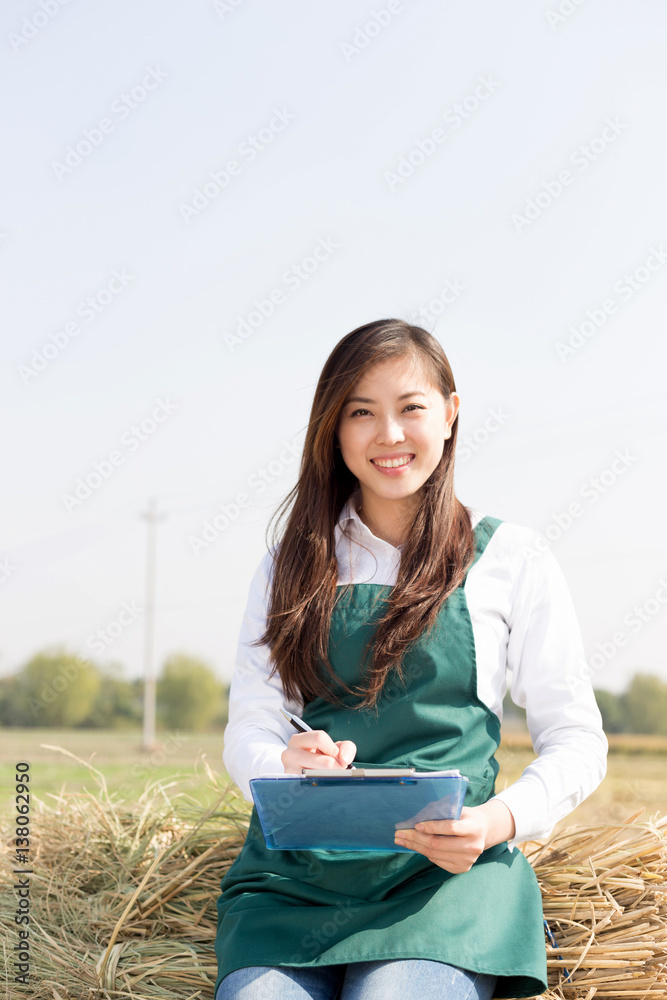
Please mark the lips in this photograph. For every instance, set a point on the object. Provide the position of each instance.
(393, 461)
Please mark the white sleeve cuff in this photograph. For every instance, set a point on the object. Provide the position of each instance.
(522, 802)
(554, 784)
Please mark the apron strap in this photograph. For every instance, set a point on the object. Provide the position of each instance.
(483, 532)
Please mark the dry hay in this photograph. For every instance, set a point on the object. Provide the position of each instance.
(604, 895)
(123, 898)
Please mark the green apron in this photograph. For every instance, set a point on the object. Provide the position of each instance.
(313, 908)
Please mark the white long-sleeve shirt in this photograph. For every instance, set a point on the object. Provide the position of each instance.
(523, 622)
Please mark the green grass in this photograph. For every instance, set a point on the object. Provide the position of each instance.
(631, 744)
(635, 776)
(117, 754)
(633, 781)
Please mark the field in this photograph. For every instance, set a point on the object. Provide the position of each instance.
(636, 770)
(635, 777)
(118, 755)
(146, 885)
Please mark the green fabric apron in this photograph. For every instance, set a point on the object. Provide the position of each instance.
(313, 908)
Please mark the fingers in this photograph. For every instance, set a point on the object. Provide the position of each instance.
(444, 827)
(315, 740)
(315, 748)
(454, 845)
(430, 842)
(467, 824)
(347, 751)
(295, 760)
(446, 852)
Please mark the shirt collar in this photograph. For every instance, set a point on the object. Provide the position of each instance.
(360, 530)
(349, 511)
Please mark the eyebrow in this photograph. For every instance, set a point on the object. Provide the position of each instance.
(362, 399)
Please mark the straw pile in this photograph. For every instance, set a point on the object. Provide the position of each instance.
(604, 894)
(123, 899)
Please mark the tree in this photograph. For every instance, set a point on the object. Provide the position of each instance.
(8, 701)
(645, 704)
(189, 695)
(117, 703)
(612, 711)
(54, 688)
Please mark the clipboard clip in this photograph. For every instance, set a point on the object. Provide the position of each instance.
(359, 772)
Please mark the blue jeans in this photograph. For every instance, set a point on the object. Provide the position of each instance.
(394, 980)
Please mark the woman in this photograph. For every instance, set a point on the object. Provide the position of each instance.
(386, 618)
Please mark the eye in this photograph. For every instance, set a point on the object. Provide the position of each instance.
(410, 406)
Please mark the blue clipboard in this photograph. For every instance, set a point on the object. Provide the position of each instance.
(348, 812)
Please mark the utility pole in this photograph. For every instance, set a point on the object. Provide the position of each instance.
(152, 517)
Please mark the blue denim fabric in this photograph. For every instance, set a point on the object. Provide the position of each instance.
(393, 980)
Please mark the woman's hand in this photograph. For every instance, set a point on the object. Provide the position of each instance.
(455, 844)
(316, 749)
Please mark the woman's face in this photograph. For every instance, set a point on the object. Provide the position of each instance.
(394, 414)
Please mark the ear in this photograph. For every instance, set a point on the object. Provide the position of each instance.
(451, 411)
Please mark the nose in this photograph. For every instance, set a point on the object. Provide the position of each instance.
(390, 431)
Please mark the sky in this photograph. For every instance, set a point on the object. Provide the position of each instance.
(203, 199)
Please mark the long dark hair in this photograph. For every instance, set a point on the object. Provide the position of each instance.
(434, 559)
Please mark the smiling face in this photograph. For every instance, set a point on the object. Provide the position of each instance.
(392, 430)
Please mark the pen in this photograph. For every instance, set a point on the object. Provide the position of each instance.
(301, 726)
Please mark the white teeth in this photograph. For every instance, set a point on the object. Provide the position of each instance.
(392, 463)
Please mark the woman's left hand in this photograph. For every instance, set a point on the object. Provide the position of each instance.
(455, 844)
